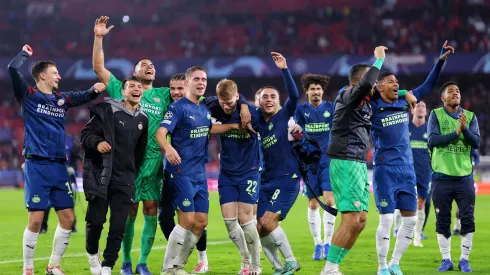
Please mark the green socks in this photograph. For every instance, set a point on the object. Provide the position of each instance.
(127, 242)
(147, 237)
(336, 254)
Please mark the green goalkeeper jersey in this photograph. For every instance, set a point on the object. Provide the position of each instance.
(154, 103)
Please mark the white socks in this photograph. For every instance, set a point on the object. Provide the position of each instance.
(270, 250)
(235, 232)
(420, 224)
(398, 219)
(174, 245)
(202, 256)
(329, 266)
(383, 239)
(60, 243)
(282, 243)
(190, 241)
(404, 238)
(315, 222)
(328, 226)
(29, 246)
(444, 246)
(252, 240)
(466, 245)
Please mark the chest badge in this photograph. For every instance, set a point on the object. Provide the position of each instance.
(61, 102)
(140, 126)
(271, 126)
(426, 136)
(326, 114)
(156, 99)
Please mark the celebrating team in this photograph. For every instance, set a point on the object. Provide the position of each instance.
(258, 166)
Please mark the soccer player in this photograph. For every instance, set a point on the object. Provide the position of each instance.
(239, 178)
(315, 117)
(394, 182)
(149, 180)
(46, 177)
(453, 133)
(421, 162)
(347, 150)
(114, 141)
(188, 121)
(280, 180)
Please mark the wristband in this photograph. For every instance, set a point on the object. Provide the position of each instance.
(402, 93)
(378, 63)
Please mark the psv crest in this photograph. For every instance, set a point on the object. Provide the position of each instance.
(140, 126)
(61, 102)
(156, 99)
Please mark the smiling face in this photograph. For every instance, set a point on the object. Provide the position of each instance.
(451, 96)
(388, 87)
(269, 101)
(145, 70)
(133, 92)
(197, 82)
(177, 89)
(51, 77)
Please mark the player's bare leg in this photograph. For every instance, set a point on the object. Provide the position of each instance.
(344, 238)
(127, 243)
(328, 222)
(273, 237)
(417, 238)
(403, 240)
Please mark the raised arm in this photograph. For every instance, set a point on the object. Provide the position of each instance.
(433, 77)
(83, 97)
(100, 30)
(435, 137)
(355, 95)
(293, 95)
(21, 89)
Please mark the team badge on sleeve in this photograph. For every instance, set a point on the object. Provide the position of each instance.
(168, 115)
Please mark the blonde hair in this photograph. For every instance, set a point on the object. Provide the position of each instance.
(226, 88)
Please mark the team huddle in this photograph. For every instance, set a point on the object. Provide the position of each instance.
(265, 150)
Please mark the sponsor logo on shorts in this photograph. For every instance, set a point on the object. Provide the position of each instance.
(357, 204)
(36, 199)
(383, 203)
(186, 202)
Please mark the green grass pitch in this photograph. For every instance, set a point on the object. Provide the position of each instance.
(224, 257)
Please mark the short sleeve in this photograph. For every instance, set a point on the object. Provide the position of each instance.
(114, 87)
(171, 118)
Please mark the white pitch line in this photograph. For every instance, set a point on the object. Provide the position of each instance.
(158, 247)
